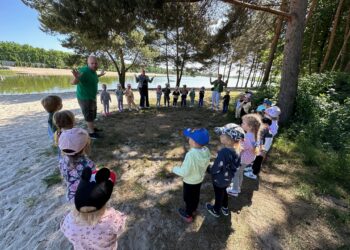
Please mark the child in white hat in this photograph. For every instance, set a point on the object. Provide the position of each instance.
(74, 145)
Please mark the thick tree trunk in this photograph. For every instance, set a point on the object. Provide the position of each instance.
(274, 43)
(347, 68)
(292, 58)
(331, 39)
(122, 69)
(239, 74)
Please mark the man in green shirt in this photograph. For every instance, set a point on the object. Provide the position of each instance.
(217, 89)
(86, 80)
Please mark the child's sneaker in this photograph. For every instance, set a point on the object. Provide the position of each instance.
(248, 169)
(211, 210)
(250, 175)
(225, 211)
(185, 216)
(232, 192)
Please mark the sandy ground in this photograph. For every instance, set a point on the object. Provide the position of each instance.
(57, 72)
(266, 216)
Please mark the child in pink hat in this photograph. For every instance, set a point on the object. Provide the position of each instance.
(74, 145)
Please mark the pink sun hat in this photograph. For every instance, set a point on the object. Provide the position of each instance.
(73, 141)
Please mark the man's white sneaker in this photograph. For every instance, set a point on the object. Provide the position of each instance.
(250, 175)
(248, 169)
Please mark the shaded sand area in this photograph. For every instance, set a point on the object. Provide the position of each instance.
(142, 148)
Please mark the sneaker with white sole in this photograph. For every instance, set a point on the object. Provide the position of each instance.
(211, 210)
(250, 175)
(225, 211)
(232, 192)
(248, 169)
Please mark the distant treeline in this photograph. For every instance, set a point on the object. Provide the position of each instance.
(28, 56)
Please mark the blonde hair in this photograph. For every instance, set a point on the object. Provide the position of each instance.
(64, 119)
(253, 122)
(51, 103)
(236, 145)
(88, 215)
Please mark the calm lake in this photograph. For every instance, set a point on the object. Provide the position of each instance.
(22, 84)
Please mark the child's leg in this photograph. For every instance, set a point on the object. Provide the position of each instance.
(191, 197)
(257, 164)
(219, 198)
(238, 178)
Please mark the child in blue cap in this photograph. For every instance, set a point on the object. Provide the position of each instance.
(193, 170)
(224, 167)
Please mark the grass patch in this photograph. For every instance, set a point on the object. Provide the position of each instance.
(53, 178)
(5, 72)
(31, 201)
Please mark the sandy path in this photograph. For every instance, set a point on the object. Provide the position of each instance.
(30, 212)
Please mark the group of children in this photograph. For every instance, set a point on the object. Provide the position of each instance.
(165, 92)
(89, 188)
(91, 224)
(244, 149)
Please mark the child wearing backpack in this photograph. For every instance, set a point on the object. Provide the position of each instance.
(224, 167)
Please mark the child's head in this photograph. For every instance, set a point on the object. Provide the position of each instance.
(167, 85)
(267, 103)
(119, 86)
(75, 141)
(51, 103)
(197, 137)
(251, 123)
(64, 119)
(227, 92)
(202, 88)
(104, 86)
(184, 86)
(177, 88)
(159, 87)
(273, 112)
(91, 196)
(230, 135)
(129, 86)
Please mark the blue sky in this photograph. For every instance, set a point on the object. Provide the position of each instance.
(19, 23)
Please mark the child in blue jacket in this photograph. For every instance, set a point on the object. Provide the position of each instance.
(224, 167)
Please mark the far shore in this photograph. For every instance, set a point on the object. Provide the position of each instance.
(64, 72)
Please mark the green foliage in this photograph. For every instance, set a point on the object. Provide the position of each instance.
(26, 55)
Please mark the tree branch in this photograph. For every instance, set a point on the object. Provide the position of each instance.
(115, 63)
(133, 61)
(258, 7)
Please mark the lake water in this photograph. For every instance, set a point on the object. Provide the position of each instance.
(22, 84)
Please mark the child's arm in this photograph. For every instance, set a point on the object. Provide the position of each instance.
(218, 164)
(183, 171)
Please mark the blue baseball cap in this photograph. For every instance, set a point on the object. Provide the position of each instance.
(268, 102)
(200, 135)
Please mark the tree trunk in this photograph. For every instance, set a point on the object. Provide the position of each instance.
(254, 73)
(229, 72)
(311, 11)
(331, 39)
(243, 76)
(274, 43)
(341, 50)
(166, 55)
(122, 69)
(250, 71)
(219, 64)
(292, 58)
(239, 74)
(177, 62)
(347, 29)
(347, 68)
(311, 47)
(223, 75)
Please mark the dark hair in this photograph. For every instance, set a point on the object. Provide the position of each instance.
(64, 119)
(52, 103)
(266, 121)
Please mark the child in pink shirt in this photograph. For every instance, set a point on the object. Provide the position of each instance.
(251, 124)
(91, 225)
